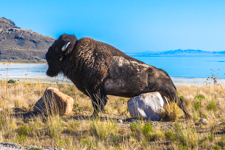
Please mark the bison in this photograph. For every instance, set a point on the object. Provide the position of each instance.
(98, 69)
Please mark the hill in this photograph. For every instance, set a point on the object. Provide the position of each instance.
(21, 45)
(179, 53)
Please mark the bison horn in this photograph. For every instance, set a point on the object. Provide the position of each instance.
(65, 46)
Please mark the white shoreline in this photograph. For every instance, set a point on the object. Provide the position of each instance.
(196, 81)
(63, 80)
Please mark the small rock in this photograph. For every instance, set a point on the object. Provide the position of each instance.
(53, 101)
(10, 145)
(203, 121)
(220, 123)
(120, 121)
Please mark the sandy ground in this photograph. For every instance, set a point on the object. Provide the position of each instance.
(14, 146)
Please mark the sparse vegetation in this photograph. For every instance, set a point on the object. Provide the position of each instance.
(200, 97)
(211, 106)
(197, 105)
(75, 132)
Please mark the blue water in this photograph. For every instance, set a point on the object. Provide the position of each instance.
(187, 67)
(23, 70)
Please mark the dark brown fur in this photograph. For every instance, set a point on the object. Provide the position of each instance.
(98, 69)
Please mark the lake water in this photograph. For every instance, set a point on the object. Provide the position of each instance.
(28, 72)
(188, 67)
(187, 70)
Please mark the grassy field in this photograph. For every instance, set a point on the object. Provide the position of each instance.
(78, 131)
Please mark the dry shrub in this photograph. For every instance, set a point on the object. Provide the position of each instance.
(73, 126)
(103, 129)
(54, 126)
(186, 136)
(171, 112)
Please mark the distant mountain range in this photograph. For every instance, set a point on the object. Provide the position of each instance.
(22, 45)
(179, 53)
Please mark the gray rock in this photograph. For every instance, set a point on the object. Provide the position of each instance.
(147, 106)
(10, 145)
(203, 121)
(120, 121)
(15, 146)
(220, 123)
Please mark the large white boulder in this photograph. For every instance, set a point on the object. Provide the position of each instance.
(54, 102)
(147, 106)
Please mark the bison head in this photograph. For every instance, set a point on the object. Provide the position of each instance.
(59, 49)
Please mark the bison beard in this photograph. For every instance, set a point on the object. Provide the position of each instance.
(98, 69)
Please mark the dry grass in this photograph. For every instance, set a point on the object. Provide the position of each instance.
(70, 132)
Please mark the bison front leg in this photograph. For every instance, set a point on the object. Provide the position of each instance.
(99, 101)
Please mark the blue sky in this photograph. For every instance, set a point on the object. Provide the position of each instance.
(131, 26)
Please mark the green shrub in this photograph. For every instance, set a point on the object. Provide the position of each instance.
(2, 123)
(54, 126)
(62, 142)
(73, 126)
(221, 143)
(211, 137)
(197, 105)
(23, 130)
(11, 81)
(136, 130)
(200, 97)
(147, 129)
(87, 143)
(211, 106)
(102, 130)
(134, 126)
(20, 139)
(116, 139)
(181, 96)
(216, 147)
(169, 134)
(182, 147)
(77, 107)
(204, 116)
(186, 137)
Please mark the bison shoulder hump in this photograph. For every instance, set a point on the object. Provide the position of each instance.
(86, 40)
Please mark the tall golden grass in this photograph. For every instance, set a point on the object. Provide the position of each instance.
(77, 131)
